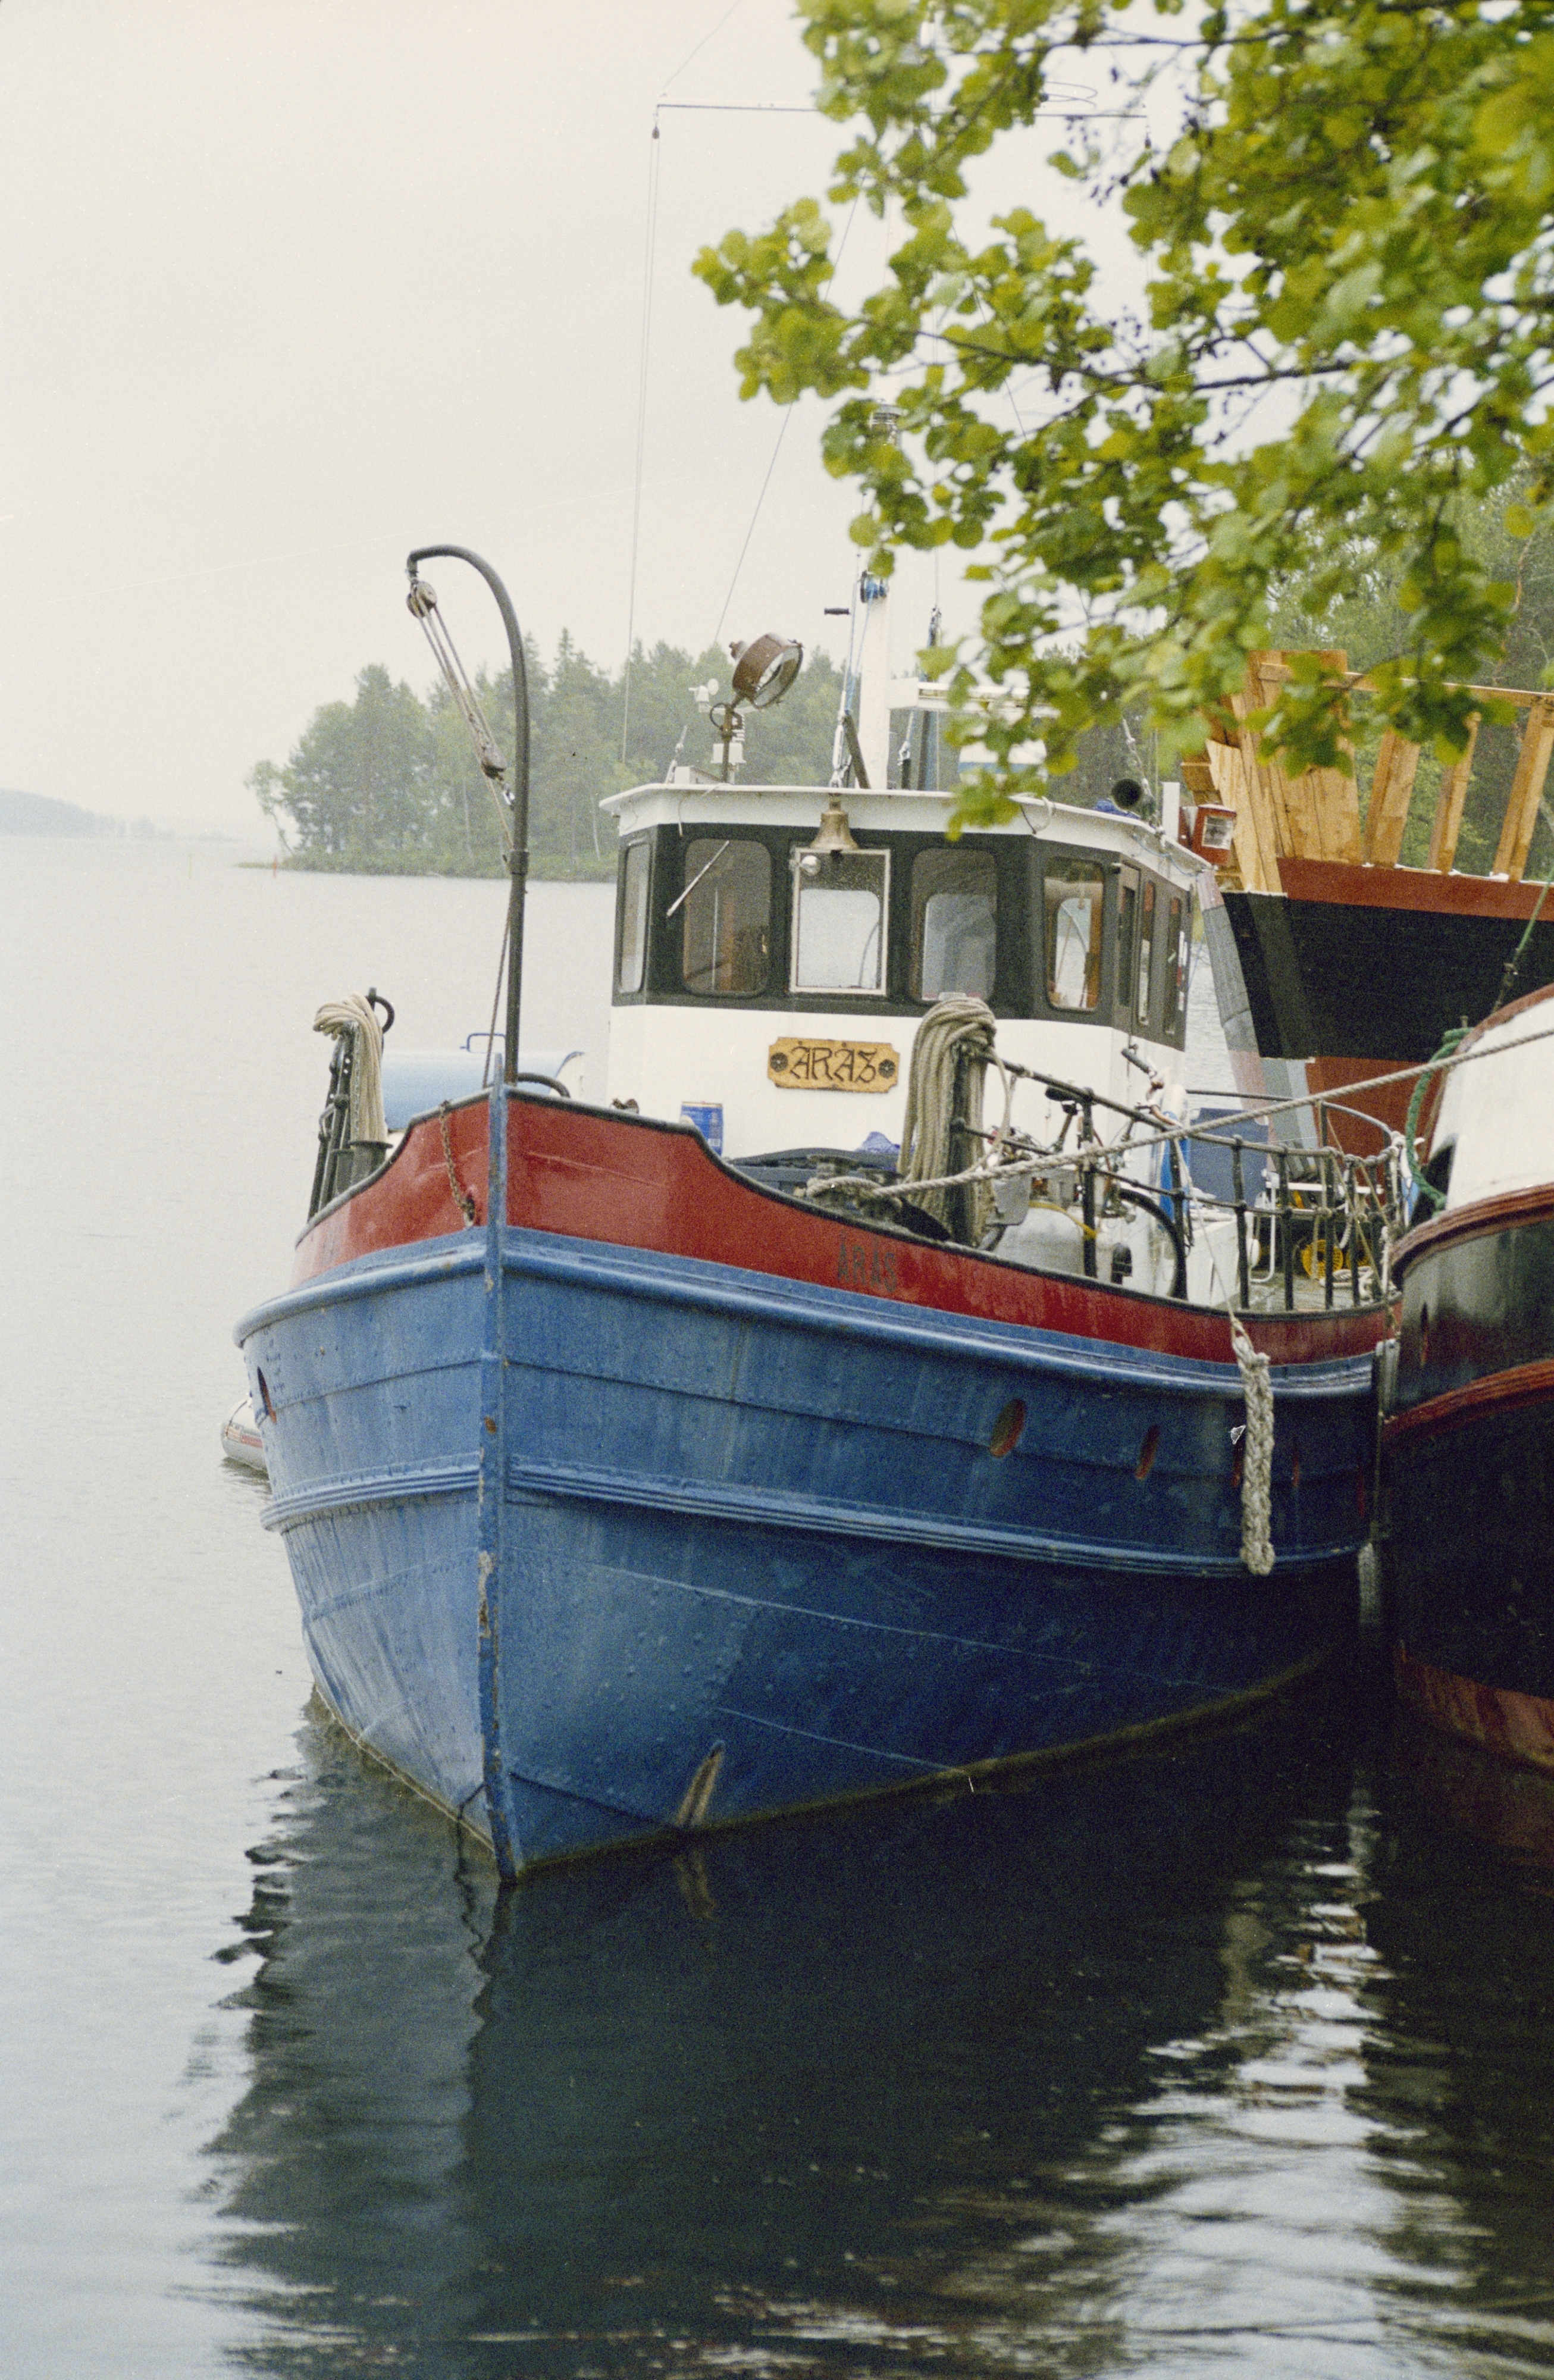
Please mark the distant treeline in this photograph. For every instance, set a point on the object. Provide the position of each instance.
(388, 784)
(41, 814)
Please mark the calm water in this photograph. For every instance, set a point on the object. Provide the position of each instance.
(1235, 2058)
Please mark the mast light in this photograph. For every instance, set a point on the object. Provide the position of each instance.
(764, 671)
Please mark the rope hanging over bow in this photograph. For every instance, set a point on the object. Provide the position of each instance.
(1257, 1455)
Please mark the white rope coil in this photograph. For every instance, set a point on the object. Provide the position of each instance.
(951, 1054)
(352, 1015)
(1257, 1455)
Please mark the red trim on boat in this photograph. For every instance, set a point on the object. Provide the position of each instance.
(591, 1173)
(1333, 1078)
(1407, 888)
(1509, 1212)
(1502, 1393)
(1514, 1727)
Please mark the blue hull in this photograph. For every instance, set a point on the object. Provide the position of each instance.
(593, 1541)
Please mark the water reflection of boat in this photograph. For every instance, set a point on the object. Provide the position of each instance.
(1462, 1917)
(1476, 1795)
(845, 2082)
(633, 1483)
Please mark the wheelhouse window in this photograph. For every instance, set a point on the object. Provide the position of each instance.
(838, 920)
(631, 960)
(725, 936)
(954, 924)
(1146, 949)
(1175, 968)
(1127, 928)
(1075, 906)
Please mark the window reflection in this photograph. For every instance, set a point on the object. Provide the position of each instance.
(954, 911)
(1127, 923)
(727, 912)
(1075, 892)
(1146, 949)
(839, 921)
(1176, 968)
(631, 966)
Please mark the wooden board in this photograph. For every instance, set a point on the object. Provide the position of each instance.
(794, 1062)
(1392, 791)
(1446, 824)
(1328, 801)
(1526, 790)
(1255, 859)
(1256, 802)
(1272, 793)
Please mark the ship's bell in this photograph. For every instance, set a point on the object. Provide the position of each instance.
(835, 836)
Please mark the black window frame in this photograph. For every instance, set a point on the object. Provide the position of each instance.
(693, 875)
(1180, 898)
(633, 842)
(878, 848)
(967, 848)
(1020, 962)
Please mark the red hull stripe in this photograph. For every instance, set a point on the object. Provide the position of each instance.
(1515, 1727)
(1405, 888)
(1503, 1392)
(1510, 1211)
(633, 1182)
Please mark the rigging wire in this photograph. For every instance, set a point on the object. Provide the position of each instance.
(703, 43)
(494, 768)
(654, 155)
(788, 412)
(695, 106)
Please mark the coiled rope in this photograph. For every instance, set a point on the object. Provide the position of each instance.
(354, 1017)
(952, 1052)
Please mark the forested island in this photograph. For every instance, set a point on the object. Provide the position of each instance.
(41, 814)
(388, 782)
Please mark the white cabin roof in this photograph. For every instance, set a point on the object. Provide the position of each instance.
(896, 810)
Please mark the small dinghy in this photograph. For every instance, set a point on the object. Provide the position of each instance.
(240, 1441)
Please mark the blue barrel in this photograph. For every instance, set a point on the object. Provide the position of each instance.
(708, 1118)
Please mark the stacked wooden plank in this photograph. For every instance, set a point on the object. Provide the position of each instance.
(1317, 815)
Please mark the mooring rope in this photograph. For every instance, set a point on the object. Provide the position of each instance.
(1256, 1453)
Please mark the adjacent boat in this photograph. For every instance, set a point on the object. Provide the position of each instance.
(780, 1429)
(1338, 962)
(1467, 1442)
(240, 1441)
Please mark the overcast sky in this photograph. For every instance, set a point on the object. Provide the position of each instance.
(291, 285)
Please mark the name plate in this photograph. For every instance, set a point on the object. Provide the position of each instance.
(796, 1064)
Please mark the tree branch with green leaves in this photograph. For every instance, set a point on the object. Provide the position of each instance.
(1347, 344)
